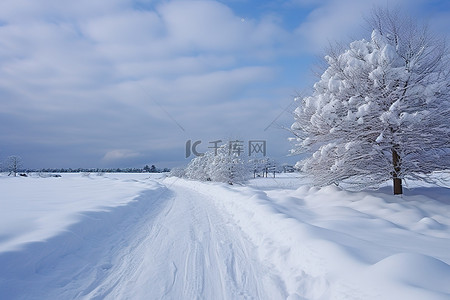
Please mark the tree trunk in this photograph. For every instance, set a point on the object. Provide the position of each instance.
(398, 190)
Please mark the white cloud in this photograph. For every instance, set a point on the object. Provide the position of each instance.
(176, 65)
(119, 154)
(55, 11)
(128, 28)
(201, 25)
(338, 21)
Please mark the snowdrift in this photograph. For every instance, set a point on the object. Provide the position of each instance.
(331, 244)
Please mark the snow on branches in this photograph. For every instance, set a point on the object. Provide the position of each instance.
(222, 166)
(379, 111)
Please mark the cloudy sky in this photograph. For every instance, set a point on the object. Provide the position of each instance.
(124, 83)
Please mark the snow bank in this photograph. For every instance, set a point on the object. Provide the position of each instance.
(331, 244)
(34, 208)
(53, 229)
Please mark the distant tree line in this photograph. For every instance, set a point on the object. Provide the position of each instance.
(13, 165)
(146, 169)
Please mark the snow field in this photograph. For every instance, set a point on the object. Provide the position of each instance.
(141, 236)
(36, 208)
(56, 230)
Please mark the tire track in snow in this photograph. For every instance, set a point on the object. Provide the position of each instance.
(187, 249)
(230, 265)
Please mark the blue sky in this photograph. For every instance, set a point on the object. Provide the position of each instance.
(122, 83)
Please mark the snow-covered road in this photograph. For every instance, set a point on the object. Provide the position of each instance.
(172, 242)
(188, 251)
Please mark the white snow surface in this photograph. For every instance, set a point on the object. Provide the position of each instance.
(141, 236)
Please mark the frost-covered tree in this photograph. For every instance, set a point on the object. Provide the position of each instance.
(380, 110)
(227, 167)
(198, 168)
(13, 163)
(220, 165)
